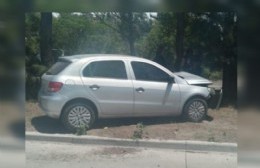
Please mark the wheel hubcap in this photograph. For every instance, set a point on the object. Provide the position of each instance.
(79, 116)
(196, 110)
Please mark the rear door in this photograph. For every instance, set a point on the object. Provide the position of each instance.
(153, 94)
(107, 81)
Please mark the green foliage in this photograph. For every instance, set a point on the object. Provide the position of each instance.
(82, 130)
(212, 139)
(32, 86)
(32, 22)
(215, 75)
(154, 39)
(138, 133)
(160, 41)
(38, 70)
(130, 26)
(205, 72)
(212, 75)
(82, 34)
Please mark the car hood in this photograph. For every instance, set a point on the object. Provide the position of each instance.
(193, 79)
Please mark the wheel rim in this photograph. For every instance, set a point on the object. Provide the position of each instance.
(197, 110)
(79, 116)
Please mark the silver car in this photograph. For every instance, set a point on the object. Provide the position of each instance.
(80, 89)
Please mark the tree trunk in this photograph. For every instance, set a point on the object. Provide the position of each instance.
(179, 41)
(230, 64)
(230, 82)
(159, 58)
(130, 22)
(132, 46)
(46, 38)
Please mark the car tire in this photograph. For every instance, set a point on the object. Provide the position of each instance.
(195, 109)
(77, 115)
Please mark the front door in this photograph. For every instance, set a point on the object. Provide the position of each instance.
(154, 95)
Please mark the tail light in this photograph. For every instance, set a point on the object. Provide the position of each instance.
(54, 86)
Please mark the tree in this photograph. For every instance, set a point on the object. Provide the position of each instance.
(46, 38)
(179, 40)
(32, 39)
(159, 44)
(216, 36)
(229, 45)
(84, 34)
(131, 26)
(205, 42)
(126, 28)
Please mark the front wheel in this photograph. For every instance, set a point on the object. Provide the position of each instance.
(78, 115)
(195, 109)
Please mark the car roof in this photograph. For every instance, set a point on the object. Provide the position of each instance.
(86, 57)
(74, 58)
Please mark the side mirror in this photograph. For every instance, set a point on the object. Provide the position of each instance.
(171, 79)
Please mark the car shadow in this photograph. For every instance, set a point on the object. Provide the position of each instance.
(45, 124)
(116, 122)
(208, 118)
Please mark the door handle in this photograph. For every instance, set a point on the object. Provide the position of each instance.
(94, 87)
(140, 90)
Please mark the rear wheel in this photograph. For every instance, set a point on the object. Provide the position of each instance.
(78, 115)
(195, 109)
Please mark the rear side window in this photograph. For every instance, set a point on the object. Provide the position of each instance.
(57, 67)
(106, 69)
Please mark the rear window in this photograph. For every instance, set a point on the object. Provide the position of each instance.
(57, 67)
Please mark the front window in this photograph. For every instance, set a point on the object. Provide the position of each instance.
(106, 69)
(148, 72)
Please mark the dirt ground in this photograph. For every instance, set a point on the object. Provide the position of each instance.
(219, 126)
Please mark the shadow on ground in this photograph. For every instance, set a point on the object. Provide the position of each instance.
(45, 124)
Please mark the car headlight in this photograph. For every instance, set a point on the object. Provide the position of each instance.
(211, 91)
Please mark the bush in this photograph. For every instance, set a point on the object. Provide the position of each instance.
(33, 85)
(216, 75)
(33, 80)
(138, 133)
(205, 72)
(212, 75)
(38, 70)
(82, 130)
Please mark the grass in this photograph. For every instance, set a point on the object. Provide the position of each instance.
(82, 130)
(138, 133)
